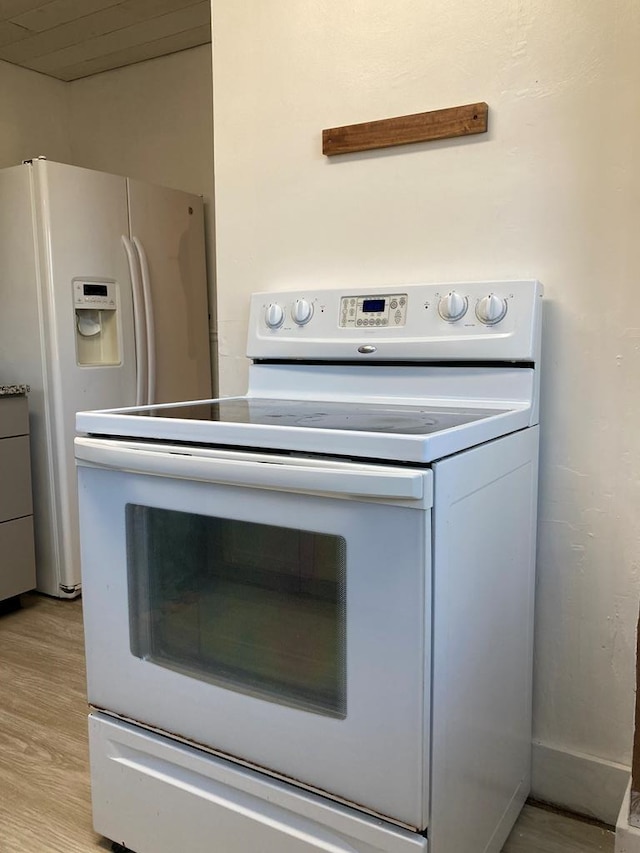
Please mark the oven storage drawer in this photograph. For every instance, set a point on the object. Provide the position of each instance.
(189, 800)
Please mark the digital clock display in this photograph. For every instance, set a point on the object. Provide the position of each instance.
(371, 306)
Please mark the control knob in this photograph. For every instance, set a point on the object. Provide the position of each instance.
(452, 307)
(491, 309)
(301, 311)
(274, 315)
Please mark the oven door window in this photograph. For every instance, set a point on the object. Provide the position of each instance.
(251, 607)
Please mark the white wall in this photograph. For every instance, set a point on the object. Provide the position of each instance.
(34, 116)
(552, 191)
(151, 121)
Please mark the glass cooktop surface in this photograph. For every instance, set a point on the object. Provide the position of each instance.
(362, 417)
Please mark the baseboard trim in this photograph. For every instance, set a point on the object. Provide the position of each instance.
(580, 783)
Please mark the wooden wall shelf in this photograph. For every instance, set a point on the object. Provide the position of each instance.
(419, 127)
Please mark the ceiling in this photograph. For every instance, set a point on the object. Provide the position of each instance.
(69, 39)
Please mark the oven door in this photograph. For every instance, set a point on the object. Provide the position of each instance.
(272, 609)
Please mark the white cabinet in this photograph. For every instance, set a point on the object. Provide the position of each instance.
(17, 559)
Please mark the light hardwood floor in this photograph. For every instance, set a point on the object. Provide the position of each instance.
(44, 769)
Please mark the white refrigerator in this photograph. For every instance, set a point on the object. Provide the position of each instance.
(103, 302)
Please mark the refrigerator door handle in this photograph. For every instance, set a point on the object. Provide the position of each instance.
(138, 321)
(150, 327)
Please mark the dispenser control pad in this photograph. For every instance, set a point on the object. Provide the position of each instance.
(94, 294)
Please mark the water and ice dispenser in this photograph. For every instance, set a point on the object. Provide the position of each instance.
(96, 315)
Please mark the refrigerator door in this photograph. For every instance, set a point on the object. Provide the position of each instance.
(167, 229)
(81, 216)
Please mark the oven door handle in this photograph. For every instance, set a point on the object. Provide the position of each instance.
(326, 478)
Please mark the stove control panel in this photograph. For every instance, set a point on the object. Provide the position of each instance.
(389, 309)
(466, 321)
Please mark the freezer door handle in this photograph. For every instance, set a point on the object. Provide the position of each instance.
(149, 321)
(138, 322)
(342, 479)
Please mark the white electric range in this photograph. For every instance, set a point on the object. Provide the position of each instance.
(308, 610)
